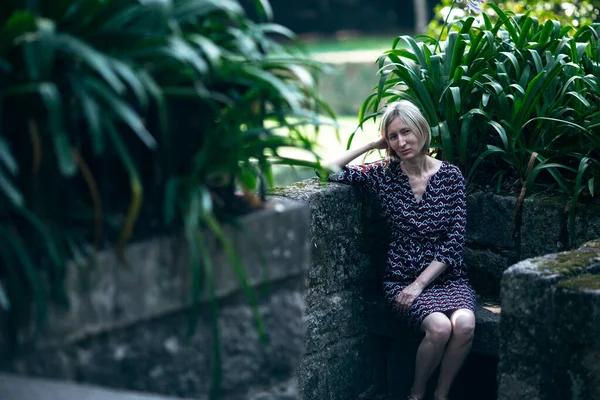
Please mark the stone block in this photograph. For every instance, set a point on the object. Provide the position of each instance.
(334, 318)
(337, 261)
(527, 312)
(338, 372)
(287, 390)
(587, 224)
(489, 218)
(400, 368)
(577, 348)
(485, 269)
(549, 327)
(14, 387)
(543, 227)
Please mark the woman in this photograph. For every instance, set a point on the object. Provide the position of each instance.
(423, 200)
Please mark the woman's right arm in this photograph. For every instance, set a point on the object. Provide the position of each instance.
(350, 155)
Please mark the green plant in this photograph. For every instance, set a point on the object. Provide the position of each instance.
(576, 13)
(178, 104)
(511, 100)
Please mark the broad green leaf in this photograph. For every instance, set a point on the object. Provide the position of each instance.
(455, 91)
(4, 301)
(501, 132)
(92, 113)
(265, 8)
(490, 150)
(10, 190)
(6, 157)
(130, 77)
(90, 56)
(123, 111)
(62, 147)
(464, 138)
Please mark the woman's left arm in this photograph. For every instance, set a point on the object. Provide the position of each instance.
(449, 252)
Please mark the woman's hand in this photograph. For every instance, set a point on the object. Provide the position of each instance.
(380, 144)
(408, 295)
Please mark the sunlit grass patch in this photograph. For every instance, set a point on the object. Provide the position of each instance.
(327, 45)
(331, 140)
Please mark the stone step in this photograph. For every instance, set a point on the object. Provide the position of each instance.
(14, 387)
(380, 321)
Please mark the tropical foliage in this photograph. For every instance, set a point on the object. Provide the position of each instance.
(515, 102)
(575, 13)
(120, 118)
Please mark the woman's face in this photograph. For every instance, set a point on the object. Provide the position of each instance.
(403, 140)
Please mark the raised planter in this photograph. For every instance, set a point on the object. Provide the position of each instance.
(129, 326)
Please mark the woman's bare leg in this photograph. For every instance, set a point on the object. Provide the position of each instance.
(438, 329)
(463, 327)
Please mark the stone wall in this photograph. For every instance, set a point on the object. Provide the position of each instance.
(337, 342)
(129, 326)
(549, 347)
(354, 346)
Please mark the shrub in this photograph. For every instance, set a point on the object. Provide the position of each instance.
(513, 101)
(115, 109)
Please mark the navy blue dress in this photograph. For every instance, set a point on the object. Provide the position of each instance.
(432, 228)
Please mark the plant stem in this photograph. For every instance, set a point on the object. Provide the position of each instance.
(437, 44)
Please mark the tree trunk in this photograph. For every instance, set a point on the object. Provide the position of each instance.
(420, 7)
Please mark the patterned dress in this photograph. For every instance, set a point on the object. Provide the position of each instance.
(432, 228)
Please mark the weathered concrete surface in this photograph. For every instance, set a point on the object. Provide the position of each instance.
(129, 326)
(549, 345)
(489, 218)
(347, 318)
(336, 341)
(14, 387)
(486, 267)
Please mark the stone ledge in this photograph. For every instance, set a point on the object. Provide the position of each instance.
(380, 321)
(18, 388)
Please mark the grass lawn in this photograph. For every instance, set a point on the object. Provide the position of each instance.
(330, 45)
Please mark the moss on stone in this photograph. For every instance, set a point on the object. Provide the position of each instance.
(570, 262)
(300, 185)
(593, 244)
(582, 282)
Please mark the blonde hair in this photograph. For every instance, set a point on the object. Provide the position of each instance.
(413, 118)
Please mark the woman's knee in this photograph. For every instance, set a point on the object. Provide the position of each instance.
(438, 328)
(463, 324)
